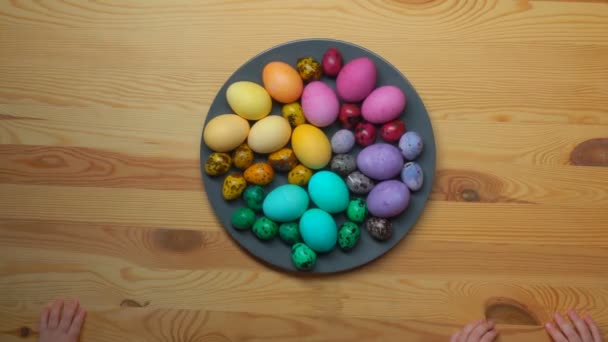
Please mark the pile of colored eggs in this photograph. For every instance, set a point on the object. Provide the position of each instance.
(369, 187)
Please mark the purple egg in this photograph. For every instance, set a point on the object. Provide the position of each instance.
(410, 145)
(320, 104)
(412, 176)
(342, 141)
(380, 161)
(387, 199)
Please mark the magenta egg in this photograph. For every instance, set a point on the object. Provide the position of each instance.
(320, 104)
(356, 79)
(383, 104)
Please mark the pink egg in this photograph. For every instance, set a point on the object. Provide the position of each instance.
(320, 104)
(356, 79)
(383, 105)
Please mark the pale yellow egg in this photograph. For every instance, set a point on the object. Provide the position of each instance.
(249, 100)
(225, 132)
(269, 134)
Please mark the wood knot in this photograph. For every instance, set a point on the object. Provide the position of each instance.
(130, 303)
(509, 311)
(178, 240)
(469, 195)
(471, 186)
(24, 332)
(592, 152)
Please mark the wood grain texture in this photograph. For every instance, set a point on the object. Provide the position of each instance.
(101, 109)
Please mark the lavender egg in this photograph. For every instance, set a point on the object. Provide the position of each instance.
(412, 176)
(387, 199)
(342, 141)
(380, 161)
(410, 145)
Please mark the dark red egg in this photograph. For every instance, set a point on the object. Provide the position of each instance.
(332, 62)
(365, 134)
(392, 130)
(350, 115)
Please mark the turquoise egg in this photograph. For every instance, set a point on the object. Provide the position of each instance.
(318, 230)
(328, 191)
(285, 203)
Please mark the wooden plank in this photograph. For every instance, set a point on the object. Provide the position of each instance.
(432, 255)
(568, 88)
(464, 180)
(77, 166)
(356, 294)
(487, 21)
(473, 142)
(147, 324)
(171, 209)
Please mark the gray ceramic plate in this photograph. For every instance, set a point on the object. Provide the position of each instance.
(416, 118)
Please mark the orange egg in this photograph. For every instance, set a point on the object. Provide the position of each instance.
(282, 82)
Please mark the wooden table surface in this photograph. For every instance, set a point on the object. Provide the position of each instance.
(101, 112)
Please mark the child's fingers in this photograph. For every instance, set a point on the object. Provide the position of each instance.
(555, 334)
(44, 318)
(480, 330)
(55, 313)
(466, 331)
(581, 327)
(595, 331)
(566, 328)
(455, 337)
(69, 309)
(77, 322)
(489, 336)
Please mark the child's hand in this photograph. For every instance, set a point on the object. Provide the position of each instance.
(584, 330)
(478, 331)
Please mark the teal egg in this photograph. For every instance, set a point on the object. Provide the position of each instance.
(285, 203)
(328, 191)
(318, 230)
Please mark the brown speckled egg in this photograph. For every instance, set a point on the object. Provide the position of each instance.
(294, 114)
(379, 228)
(259, 173)
(242, 157)
(217, 163)
(234, 185)
(299, 175)
(309, 69)
(283, 160)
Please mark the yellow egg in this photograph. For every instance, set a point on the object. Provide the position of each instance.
(249, 100)
(225, 132)
(269, 134)
(311, 146)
